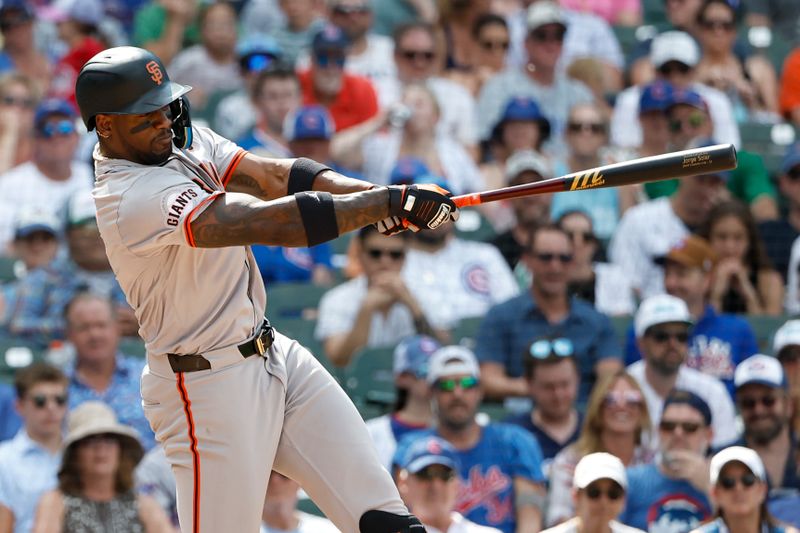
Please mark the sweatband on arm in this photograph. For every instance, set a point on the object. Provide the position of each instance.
(318, 215)
(529, 498)
(302, 174)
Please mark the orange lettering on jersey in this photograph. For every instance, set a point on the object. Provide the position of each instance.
(155, 72)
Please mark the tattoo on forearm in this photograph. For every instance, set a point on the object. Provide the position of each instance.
(249, 185)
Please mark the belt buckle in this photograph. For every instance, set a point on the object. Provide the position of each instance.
(260, 348)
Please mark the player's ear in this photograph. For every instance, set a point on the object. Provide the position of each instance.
(103, 125)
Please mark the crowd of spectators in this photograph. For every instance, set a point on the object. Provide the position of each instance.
(600, 431)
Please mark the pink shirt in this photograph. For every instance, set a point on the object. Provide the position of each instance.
(607, 9)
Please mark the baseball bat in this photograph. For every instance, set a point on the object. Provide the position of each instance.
(705, 160)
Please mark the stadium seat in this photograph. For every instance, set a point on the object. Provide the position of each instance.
(132, 346)
(293, 300)
(7, 267)
(368, 379)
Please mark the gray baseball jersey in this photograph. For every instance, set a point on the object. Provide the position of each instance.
(205, 300)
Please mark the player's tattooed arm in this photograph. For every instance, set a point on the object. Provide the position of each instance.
(267, 179)
(235, 219)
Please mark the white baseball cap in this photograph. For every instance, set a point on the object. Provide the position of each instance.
(747, 456)
(674, 46)
(760, 369)
(787, 335)
(527, 161)
(660, 309)
(600, 465)
(545, 12)
(452, 360)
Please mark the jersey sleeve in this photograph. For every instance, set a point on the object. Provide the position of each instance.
(158, 211)
(224, 153)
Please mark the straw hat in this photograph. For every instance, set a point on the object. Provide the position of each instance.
(97, 418)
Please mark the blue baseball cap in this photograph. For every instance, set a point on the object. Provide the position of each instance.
(23, 7)
(655, 97)
(330, 38)
(521, 108)
(407, 170)
(687, 97)
(426, 451)
(685, 397)
(412, 355)
(308, 122)
(257, 52)
(32, 220)
(791, 159)
(52, 106)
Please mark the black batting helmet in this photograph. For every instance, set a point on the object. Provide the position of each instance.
(124, 80)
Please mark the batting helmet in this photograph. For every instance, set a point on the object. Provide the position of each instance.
(124, 80)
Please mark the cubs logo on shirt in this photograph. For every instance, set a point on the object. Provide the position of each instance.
(676, 513)
(475, 278)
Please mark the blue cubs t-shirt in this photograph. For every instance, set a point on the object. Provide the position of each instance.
(658, 504)
(488, 470)
(282, 264)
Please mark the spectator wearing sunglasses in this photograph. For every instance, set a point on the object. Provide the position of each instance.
(500, 464)
(750, 82)
(540, 78)
(598, 492)
(490, 33)
(762, 395)
(780, 235)
(604, 285)
(616, 422)
(739, 491)
(51, 176)
(29, 462)
(552, 375)
(238, 112)
(375, 309)
(545, 308)
(671, 494)
(428, 482)
(662, 326)
(350, 99)
(786, 348)
(674, 55)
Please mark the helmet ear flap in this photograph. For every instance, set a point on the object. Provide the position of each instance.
(181, 123)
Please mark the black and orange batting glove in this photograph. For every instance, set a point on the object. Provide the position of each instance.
(422, 206)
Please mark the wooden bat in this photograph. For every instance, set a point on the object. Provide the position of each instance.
(706, 160)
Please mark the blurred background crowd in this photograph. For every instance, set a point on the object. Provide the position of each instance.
(541, 363)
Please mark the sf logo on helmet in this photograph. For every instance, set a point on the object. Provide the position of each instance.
(155, 72)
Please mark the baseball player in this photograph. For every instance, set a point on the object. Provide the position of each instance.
(227, 396)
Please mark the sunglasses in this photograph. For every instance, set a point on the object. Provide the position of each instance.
(726, 25)
(326, 60)
(591, 127)
(41, 400)
(413, 55)
(492, 46)
(429, 474)
(729, 482)
(669, 426)
(544, 348)
(674, 66)
(695, 120)
(750, 403)
(613, 494)
(449, 385)
(57, 129)
(377, 253)
(663, 336)
(545, 36)
(627, 398)
(351, 10)
(548, 257)
(27, 103)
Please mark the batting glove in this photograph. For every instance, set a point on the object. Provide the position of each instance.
(422, 206)
(390, 226)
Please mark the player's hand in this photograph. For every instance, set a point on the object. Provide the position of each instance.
(422, 206)
(390, 226)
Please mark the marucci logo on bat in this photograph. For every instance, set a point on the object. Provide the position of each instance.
(587, 180)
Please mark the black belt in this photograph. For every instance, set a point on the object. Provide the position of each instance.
(195, 362)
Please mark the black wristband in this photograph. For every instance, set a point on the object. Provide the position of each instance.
(303, 173)
(318, 215)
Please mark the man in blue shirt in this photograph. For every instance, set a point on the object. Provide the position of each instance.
(29, 462)
(100, 372)
(546, 309)
(672, 494)
(717, 342)
(500, 464)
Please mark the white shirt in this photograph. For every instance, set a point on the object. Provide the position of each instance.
(308, 524)
(462, 280)
(571, 526)
(460, 524)
(645, 232)
(235, 116)
(339, 307)
(193, 66)
(626, 131)
(25, 187)
(710, 389)
(380, 431)
(793, 279)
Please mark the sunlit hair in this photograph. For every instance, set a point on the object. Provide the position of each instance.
(589, 440)
(70, 479)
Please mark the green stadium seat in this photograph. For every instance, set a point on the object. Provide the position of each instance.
(293, 300)
(764, 328)
(466, 330)
(473, 226)
(15, 354)
(7, 265)
(368, 379)
(132, 346)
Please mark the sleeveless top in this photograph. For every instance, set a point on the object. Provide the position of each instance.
(120, 515)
